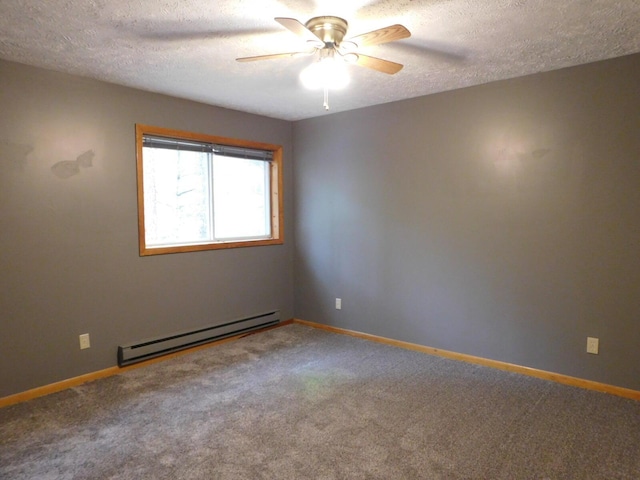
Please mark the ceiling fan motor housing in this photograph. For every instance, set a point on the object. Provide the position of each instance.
(331, 30)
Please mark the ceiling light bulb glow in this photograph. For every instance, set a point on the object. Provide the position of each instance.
(328, 72)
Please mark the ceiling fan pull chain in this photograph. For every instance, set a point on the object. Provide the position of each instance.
(326, 97)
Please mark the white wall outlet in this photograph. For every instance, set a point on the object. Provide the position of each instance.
(85, 342)
(592, 345)
(338, 304)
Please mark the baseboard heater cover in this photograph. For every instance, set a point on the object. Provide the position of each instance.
(156, 347)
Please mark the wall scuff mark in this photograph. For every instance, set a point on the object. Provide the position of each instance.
(68, 168)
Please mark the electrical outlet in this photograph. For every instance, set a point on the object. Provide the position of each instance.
(338, 304)
(592, 345)
(85, 342)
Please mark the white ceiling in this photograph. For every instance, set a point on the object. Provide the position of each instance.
(187, 48)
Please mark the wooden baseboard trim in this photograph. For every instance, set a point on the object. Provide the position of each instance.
(108, 372)
(56, 387)
(509, 367)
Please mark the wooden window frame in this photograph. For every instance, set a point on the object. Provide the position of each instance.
(276, 185)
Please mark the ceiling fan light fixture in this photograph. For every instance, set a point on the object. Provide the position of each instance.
(328, 72)
(350, 57)
(348, 47)
(325, 36)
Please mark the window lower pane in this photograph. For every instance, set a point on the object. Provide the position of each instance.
(177, 191)
(241, 198)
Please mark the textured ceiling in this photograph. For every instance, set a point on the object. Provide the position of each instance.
(187, 48)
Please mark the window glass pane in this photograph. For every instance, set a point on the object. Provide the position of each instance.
(200, 192)
(241, 198)
(176, 190)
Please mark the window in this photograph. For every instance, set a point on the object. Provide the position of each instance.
(200, 192)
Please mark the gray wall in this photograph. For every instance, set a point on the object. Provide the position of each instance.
(69, 247)
(501, 221)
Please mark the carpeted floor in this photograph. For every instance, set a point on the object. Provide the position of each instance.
(301, 403)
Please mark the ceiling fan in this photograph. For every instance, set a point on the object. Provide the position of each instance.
(325, 38)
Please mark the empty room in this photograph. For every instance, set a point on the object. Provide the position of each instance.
(273, 239)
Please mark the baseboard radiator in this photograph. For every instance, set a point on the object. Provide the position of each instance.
(156, 347)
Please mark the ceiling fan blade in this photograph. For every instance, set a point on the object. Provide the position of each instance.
(381, 35)
(272, 56)
(299, 29)
(384, 66)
